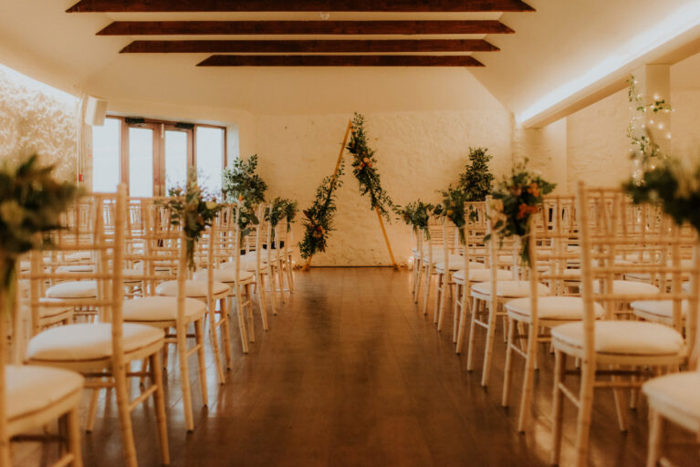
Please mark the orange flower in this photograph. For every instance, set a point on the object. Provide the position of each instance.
(534, 190)
(524, 210)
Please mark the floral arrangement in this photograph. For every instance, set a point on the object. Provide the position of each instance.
(194, 210)
(281, 208)
(318, 219)
(241, 183)
(515, 199)
(416, 214)
(291, 208)
(644, 149)
(364, 166)
(452, 207)
(477, 180)
(31, 202)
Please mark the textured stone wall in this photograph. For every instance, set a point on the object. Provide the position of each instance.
(545, 151)
(418, 154)
(685, 123)
(34, 121)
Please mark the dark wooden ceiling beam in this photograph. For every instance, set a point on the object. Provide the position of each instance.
(149, 28)
(127, 6)
(312, 46)
(340, 60)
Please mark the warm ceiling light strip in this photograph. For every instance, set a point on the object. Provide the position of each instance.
(311, 46)
(148, 28)
(340, 60)
(299, 5)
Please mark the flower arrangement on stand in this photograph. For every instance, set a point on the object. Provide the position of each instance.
(31, 202)
(364, 167)
(318, 219)
(243, 185)
(194, 210)
(477, 180)
(515, 199)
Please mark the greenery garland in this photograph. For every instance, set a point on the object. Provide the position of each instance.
(194, 210)
(515, 200)
(31, 202)
(242, 184)
(318, 219)
(364, 166)
(417, 215)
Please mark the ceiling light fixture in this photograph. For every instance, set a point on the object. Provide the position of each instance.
(665, 30)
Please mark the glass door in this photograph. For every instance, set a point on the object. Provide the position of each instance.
(143, 166)
(177, 155)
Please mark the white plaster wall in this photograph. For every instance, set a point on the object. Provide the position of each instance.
(597, 145)
(418, 154)
(545, 150)
(33, 121)
(685, 123)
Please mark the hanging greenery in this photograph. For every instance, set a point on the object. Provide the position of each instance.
(644, 149)
(291, 208)
(417, 214)
(281, 208)
(194, 210)
(364, 165)
(515, 199)
(31, 202)
(452, 207)
(477, 180)
(242, 184)
(318, 219)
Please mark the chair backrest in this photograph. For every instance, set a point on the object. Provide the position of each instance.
(608, 232)
(556, 246)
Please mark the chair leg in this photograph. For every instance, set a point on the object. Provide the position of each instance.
(490, 338)
(241, 324)
(181, 331)
(443, 298)
(508, 369)
(226, 333)
(159, 402)
(215, 345)
(620, 405)
(273, 294)
(472, 335)
(418, 282)
(427, 291)
(260, 292)
(583, 422)
(127, 432)
(73, 422)
(528, 379)
(656, 432)
(438, 297)
(290, 275)
(557, 405)
(201, 357)
(92, 411)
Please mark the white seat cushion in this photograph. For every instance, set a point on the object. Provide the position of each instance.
(73, 289)
(193, 288)
(160, 309)
(624, 337)
(79, 256)
(458, 265)
(629, 288)
(76, 268)
(32, 388)
(81, 342)
(554, 308)
(660, 308)
(509, 289)
(225, 274)
(49, 311)
(677, 390)
(483, 275)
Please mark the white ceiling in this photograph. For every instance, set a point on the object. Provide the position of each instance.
(554, 45)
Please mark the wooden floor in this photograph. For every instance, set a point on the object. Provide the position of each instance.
(351, 373)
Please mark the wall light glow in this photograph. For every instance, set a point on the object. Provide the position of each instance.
(679, 22)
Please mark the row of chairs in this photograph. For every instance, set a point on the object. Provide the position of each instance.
(611, 288)
(110, 296)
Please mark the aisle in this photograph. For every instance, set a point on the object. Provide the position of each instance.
(351, 374)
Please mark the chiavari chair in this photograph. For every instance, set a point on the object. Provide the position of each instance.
(256, 260)
(614, 353)
(102, 351)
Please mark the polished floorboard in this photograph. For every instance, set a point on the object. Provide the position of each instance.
(352, 374)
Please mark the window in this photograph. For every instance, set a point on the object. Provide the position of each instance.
(152, 156)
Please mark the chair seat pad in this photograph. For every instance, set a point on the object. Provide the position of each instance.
(678, 390)
(193, 288)
(33, 388)
(225, 274)
(76, 268)
(79, 256)
(160, 309)
(86, 341)
(624, 337)
(660, 308)
(73, 290)
(483, 275)
(554, 308)
(49, 311)
(458, 265)
(509, 289)
(629, 288)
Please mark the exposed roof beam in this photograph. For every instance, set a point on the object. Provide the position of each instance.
(148, 28)
(341, 60)
(311, 46)
(300, 5)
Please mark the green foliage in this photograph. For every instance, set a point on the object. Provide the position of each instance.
(31, 202)
(192, 209)
(318, 219)
(364, 165)
(514, 201)
(281, 208)
(242, 184)
(477, 180)
(644, 148)
(452, 207)
(416, 214)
